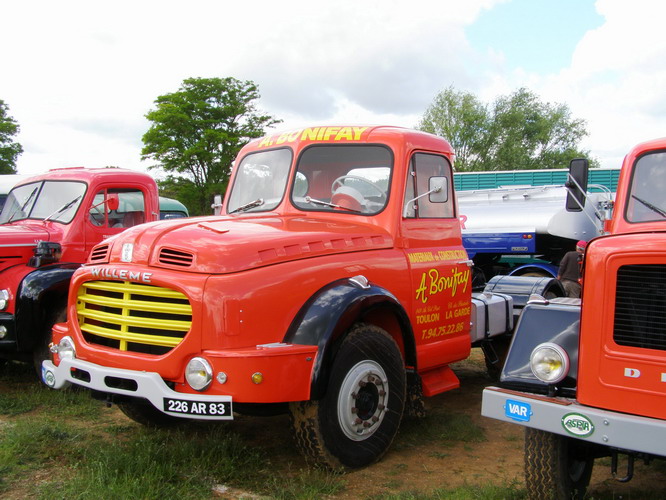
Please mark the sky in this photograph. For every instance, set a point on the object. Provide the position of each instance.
(80, 76)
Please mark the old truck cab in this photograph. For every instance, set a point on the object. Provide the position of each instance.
(334, 285)
(586, 376)
(48, 226)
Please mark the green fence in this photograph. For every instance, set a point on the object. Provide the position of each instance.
(468, 181)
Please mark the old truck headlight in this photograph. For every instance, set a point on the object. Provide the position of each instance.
(65, 348)
(199, 374)
(4, 299)
(549, 363)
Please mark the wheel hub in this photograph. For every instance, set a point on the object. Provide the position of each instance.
(363, 400)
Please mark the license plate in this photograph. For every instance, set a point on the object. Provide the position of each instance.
(201, 408)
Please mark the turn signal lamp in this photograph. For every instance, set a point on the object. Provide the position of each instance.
(257, 378)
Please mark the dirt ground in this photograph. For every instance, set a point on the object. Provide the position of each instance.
(422, 465)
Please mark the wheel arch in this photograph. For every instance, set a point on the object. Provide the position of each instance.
(38, 293)
(328, 315)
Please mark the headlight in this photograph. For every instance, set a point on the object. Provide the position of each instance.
(65, 348)
(198, 374)
(4, 298)
(549, 363)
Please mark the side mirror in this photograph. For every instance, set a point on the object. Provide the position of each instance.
(438, 189)
(217, 204)
(576, 185)
(112, 201)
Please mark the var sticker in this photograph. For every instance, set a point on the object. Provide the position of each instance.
(518, 410)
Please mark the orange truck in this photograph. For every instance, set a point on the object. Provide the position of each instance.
(333, 286)
(587, 377)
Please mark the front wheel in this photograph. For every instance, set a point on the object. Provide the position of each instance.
(143, 412)
(556, 467)
(354, 424)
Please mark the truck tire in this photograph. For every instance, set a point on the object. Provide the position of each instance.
(355, 422)
(41, 352)
(144, 413)
(556, 467)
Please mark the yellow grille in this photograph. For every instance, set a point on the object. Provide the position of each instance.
(133, 317)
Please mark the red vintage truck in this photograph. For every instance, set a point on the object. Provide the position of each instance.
(48, 226)
(334, 285)
(586, 377)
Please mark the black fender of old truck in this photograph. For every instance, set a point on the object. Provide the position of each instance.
(556, 321)
(331, 311)
(40, 291)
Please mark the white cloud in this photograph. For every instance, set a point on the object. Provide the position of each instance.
(79, 76)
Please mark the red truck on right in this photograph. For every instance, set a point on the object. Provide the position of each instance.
(587, 377)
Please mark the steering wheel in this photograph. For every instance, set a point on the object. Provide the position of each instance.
(341, 181)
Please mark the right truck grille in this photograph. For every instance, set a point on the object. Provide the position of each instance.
(133, 317)
(640, 306)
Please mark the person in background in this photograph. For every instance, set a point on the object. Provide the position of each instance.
(569, 272)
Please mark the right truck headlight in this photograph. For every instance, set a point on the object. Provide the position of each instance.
(4, 299)
(549, 363)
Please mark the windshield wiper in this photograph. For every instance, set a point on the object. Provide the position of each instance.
(253, 204)
(22, 207)
(309, 199)
(650, 205)
(63, 208)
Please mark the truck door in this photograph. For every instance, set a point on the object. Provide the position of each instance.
(112, 211)
(438, 263)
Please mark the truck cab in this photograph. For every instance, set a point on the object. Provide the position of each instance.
(333, 285)
(586, 376)
(48, 226)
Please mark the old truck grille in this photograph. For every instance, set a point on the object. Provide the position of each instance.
(133, 317)
(640, 306)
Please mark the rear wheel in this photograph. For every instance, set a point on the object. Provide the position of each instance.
(556, 467)
(143, 412)
(355, 422)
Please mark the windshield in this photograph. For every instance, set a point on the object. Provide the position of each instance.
(647, 194)
(260, 181)
(55, 200)
(342, 178)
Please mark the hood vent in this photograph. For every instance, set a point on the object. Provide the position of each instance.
(178, 258)
(99, 253)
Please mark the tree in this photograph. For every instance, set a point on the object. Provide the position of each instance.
(9, 150)
(515, 132)
(464, 121)
(529, 134)
(197, 132)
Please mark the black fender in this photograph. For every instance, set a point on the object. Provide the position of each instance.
(331, 311)
(556, 321)
(39, 291)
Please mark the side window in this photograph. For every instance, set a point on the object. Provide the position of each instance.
(429, 187)
(117, 208)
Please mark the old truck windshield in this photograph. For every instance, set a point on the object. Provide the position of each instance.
(260, 181)
(56, 200)
(343, 178)
(647, 194)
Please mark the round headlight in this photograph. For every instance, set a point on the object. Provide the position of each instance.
(66, 349)
(549, 363)
(198, 374)
(4, 298)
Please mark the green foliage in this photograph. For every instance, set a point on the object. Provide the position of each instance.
(516, 132)
(197, 132)
(9, 150)
(465, 122)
